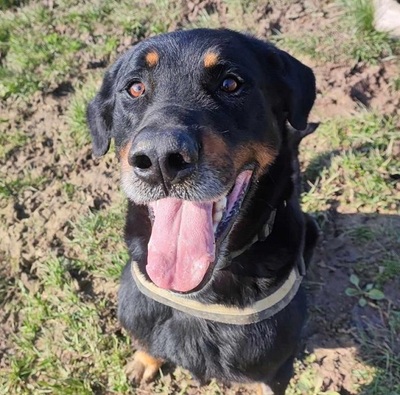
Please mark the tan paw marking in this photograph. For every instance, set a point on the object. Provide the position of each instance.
(265, 390)
(143, 367)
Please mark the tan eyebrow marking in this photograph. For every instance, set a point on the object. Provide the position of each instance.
(152, 58)
(210, 59)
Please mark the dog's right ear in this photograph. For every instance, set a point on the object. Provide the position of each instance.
(100, 111)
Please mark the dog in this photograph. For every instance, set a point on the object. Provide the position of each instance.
(207, 125)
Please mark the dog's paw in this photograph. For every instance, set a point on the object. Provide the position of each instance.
(142, 368)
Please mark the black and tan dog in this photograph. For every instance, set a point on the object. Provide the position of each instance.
(207, 125)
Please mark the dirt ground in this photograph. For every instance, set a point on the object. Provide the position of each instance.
(37, 220)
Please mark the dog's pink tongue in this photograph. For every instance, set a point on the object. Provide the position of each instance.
(181, 245)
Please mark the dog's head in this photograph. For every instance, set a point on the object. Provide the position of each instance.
(197, 117)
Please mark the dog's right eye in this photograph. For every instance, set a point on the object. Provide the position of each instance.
(136, 89)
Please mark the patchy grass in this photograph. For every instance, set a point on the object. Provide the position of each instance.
(39, 50)
(389, 268)
(76, 115)
(361, 14)
(14, 186)
(307, 380)
(349, 169)
(234, 14)
(356, 168)
(66, 343)
(35, 54)
(99, 239)
(367, 44)
(318, 45)
(396, 84)
(4, 4)
(353, 28)
(380, 347)
(11, 141)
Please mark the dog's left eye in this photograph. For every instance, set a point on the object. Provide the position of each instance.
(230, 85)
(136, 89)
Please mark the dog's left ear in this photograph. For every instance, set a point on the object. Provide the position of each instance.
(100, 112)
(296, 84)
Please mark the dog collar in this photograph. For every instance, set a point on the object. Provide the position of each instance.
(258, 311)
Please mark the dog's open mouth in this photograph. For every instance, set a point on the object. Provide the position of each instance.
(185, 235)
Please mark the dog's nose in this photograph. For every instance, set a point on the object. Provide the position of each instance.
(167, 156)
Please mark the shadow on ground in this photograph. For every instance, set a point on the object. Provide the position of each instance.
(343, 335)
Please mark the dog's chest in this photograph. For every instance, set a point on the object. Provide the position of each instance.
(207, 349)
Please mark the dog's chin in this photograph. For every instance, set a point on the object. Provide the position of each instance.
(187, 237)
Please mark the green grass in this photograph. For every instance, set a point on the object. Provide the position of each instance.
(38, 50)
(367, 44)
(379, 344)
(10, 141)
(361, 234)
(35, 55)
(361, 13)
(65, 343)
(318, 46)
(357, 166)
(14, 186)
(354, 29)
(4, 4)
(99, 239)
(367, 47)
(389, 268)
(350, 169)
(396, 84)
(238, 15)
(307, 381)
(382, 238)
(76, 115)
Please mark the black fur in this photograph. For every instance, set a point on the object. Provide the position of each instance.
(182, 95)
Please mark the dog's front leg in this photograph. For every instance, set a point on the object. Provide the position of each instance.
(143, 367)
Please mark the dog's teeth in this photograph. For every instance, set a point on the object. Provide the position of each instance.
(217, 216)
(215, 226)
(218, 212)
(220, 204)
